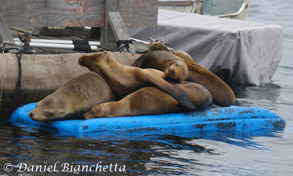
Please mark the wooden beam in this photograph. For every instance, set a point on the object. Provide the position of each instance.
(119, 29)
(175, 3)
(5, 34)
(139, 13)
(57, 13)
(77, 13)
(68, 31)
(106, 35)
(115, 28)
(118, 26)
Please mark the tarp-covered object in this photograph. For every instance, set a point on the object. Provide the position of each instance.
(238, 51)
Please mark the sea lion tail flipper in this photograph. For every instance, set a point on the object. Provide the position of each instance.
(176, 92)
(183, 99)
(237, 102)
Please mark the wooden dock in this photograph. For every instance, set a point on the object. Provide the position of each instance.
(42, 74)
(112, 16)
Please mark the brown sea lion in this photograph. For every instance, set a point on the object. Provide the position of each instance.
(156, 45)
(222, 94)
(151, 100)
(74, 98)
(173, 66)
(124, 80)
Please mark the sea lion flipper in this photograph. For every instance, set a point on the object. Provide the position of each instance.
(176, 92)
(237, 102)
(183, 99)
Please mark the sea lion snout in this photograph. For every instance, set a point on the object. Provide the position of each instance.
(91, 61)
(178, 71)
(84, 60)
(35, 117)
(172, 73)
(31, 115)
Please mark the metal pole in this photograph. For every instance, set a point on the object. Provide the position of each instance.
(70, 42)
(54, 45)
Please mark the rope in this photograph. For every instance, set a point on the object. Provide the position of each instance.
(124, 43)
(120, 45)
(7, 46)
(2, 75)
(18, 92)
(11, 47)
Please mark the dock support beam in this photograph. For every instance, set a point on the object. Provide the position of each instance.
(5, 34)
(114, 29)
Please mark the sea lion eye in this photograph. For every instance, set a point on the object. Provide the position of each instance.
(49, 113)
(61, 112)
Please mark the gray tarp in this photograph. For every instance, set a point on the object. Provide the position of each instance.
(238, 51)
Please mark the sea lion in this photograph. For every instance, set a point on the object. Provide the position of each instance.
(173, 66)
(74, 98)
(124, 80)
(156, 45)
(151, 100)
(222, 94)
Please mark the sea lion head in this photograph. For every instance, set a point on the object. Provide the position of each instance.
(156, 45)
(90, 61)
(177, 71)
(48, 109)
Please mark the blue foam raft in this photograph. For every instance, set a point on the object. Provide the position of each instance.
(229, 118)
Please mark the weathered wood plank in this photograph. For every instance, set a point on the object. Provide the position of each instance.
(5, 34)
(175, 3)
(107, 37)
(119, 29)
(139, 13)
(68, 31)
(61, 13)
(74, 13)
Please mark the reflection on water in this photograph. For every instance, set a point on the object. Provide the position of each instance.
(269, 92)
(144, 154)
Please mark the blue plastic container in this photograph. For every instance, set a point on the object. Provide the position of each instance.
(240, 119)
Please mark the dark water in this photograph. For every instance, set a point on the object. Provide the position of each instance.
(214, 154)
